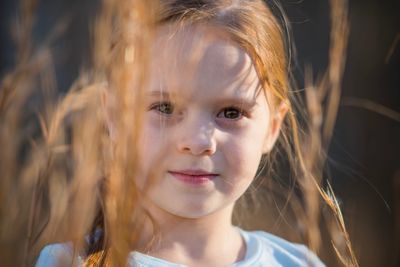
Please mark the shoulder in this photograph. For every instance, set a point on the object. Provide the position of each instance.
(58, 255)
(263, 247)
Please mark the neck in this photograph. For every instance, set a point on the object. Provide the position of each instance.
(206, 241)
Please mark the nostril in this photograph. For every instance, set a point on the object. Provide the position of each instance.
(197, 146)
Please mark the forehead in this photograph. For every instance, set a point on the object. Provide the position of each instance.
(199, 58)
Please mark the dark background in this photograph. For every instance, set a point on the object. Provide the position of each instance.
(365, 151)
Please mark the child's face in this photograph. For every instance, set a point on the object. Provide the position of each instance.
(206, 125)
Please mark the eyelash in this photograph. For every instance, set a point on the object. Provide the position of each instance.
(157, 107)
(240, 113)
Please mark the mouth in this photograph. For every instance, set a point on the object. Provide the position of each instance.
(194, 177)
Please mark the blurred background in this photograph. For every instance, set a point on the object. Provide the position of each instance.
(364, 157)
(365, 150)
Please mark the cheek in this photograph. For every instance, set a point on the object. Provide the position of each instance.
(151, 147)
(145, 147)
(243, 154)
(153, 142)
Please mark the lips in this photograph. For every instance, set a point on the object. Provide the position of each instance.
(195, 177)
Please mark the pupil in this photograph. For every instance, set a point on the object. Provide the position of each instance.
(231, 113)
(165, 108)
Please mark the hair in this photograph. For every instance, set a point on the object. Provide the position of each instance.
(250, 24)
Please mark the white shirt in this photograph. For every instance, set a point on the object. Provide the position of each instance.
(262, 249)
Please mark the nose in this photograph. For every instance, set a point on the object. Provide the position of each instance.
(197, 138)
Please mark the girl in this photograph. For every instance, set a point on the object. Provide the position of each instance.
(216, 97)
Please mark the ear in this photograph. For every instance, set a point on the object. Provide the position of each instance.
(276, 120)
(107, 103)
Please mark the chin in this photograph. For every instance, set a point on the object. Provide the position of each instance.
(191, 214)
(188, 212)
(194, 210)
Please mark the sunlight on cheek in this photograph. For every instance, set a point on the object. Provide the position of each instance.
(153, 151)
(243, 160)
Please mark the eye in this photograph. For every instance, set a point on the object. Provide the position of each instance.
(231, 113)
(165, 108)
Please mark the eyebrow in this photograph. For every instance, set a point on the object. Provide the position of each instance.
(237, 100)
(161, 93)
